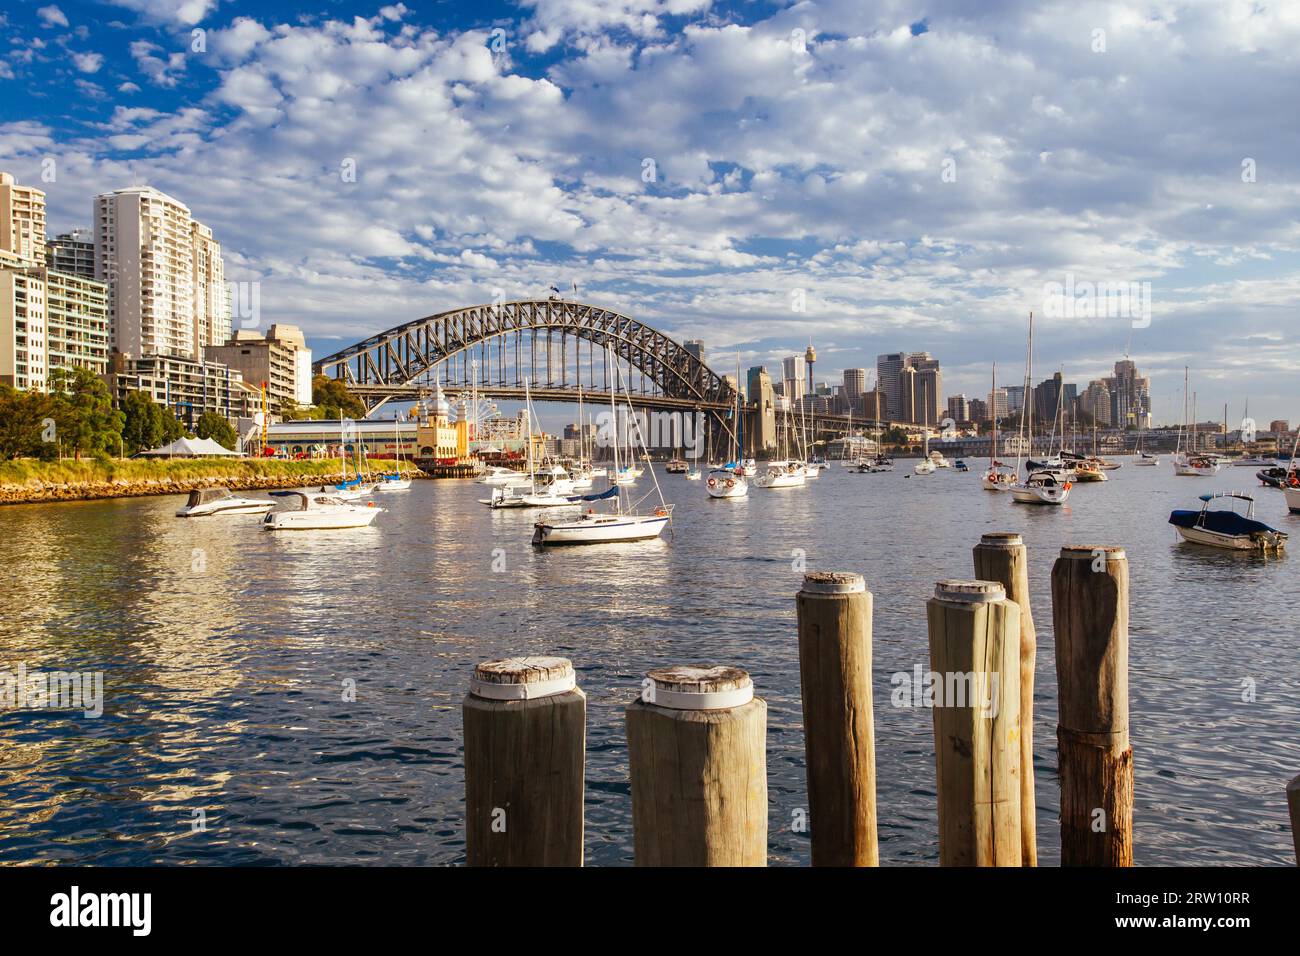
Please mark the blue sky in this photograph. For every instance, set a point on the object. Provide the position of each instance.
(920, 170)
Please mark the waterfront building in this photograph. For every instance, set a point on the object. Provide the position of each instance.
(22, 220)
(186, 387)
(1279, 426)
(164, 271)
(323, 438)
(48, 321)
(72, 253)
(279, 359)
(436, 437)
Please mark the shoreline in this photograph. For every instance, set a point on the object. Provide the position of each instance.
(28, 481)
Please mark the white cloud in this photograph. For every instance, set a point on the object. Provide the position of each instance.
(88, 62)
(160, 71)
(52, 16)
(184, 13)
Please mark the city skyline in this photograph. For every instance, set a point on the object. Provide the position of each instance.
(728, 213)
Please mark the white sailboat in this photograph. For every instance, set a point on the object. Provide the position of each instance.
(727, 482)
(1043, 486)
(1188, 463)
(783, 473)
(548, 487)
(595, 527)
(998, 477)
(395, 481)
(926, 465)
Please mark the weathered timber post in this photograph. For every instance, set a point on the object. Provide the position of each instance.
(1090, 617)
(834, 611)
(1293, 804)
(975, 662)
(525, 737)
(696, 743)
(1001, 557)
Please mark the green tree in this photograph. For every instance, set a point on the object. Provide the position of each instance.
(28, 428)
(214, 426)
(334, 400)
(143, 422)
(83, 410)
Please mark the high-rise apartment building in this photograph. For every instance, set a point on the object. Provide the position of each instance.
(1096, 403)
(22, 220)
(280, 358)
(48, 319)
(164, 274)
(72, 253)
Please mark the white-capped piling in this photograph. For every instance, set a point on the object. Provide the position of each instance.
(1000, 556)
(975, 666)
(696, 741)
(834, 612)
(525, 738)
(1090, 586)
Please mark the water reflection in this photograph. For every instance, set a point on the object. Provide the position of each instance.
(229, 652)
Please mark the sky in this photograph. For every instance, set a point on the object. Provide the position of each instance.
(902, 175)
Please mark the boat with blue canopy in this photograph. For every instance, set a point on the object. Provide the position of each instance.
(1226, 528)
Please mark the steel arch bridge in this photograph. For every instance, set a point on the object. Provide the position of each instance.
(495, 348)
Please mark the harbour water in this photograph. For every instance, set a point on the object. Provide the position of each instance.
(228, 655)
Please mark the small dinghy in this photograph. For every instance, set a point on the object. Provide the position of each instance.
(1225, 528)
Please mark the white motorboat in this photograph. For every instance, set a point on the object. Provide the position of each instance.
(1042, 488)
(1147, 460)
(204, 502)
(500, 476)
(924, 467)
(1225, 528)
(317, 512)
(725, 483)
(939, 460)
(1254, 461)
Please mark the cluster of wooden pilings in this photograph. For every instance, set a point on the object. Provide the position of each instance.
(697, 735)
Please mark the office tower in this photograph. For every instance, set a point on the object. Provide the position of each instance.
(792, 377)
(164, 274)
(72, 253)
(696, 348)
(959, 408)
(855, 382)
(888, 367)
(999, 405)
(1015, 399)
(979, 410)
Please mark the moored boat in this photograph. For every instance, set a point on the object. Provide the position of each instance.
(1042, 488)
(204, 502)
(1225, 528)
(317, 512)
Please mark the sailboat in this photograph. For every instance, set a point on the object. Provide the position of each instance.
(545, 487)
(926, 465)
(1188, 463)
(783, 473)
(998, 477)
(726, 482)
(1044, 486)
(595, 527)
(395, 481)
(348, 489)
(1090, 468)
(1291, 480)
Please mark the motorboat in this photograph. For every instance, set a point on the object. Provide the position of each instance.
(939, 460)
(1147, 459)
(725, 483)
(1275, 477)
(550, 486)
(316, 512)
(924, 467)
(960, 465)
(1254, 461)
(204, 502)
(1226, 528)
(676, 466)
(496, 475)
(1089, 470)
(1042, 488)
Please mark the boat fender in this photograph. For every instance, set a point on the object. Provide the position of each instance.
(1067, 486)
(713, 482)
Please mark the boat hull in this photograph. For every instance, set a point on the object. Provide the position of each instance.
(623, 528)
(314, 520)
(1228, 542)
(727, 487)
(244, 506)
(1292, 500)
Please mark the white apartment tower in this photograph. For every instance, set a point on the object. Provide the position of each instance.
(164, 273)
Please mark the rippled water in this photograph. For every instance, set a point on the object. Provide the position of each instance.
(225, 650)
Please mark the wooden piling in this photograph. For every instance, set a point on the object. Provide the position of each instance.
(1090, 617)
(525, 738)
(1293, 804)
(834, 611)
(696, 742)
(1001, 557)
(975, 663)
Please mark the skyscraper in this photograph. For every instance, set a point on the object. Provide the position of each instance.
(888, 367)
(959, 408)
(696, 348)
(855, 382)
(913, 385)
(164, 273)
(22, 220)
(793, 372)
(72, 253)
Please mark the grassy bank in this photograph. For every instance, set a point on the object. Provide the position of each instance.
(31, 480)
